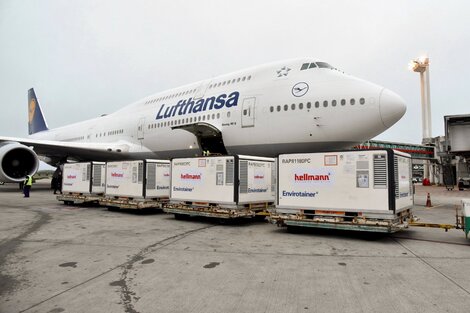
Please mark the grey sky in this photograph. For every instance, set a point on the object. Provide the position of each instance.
(86, 58)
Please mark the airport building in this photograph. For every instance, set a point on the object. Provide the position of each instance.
(447, 157)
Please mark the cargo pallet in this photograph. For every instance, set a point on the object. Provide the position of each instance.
(213, 210)
(130, 203)
(344, 221)
(79, 198)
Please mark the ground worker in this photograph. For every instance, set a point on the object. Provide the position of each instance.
(28, 182)
(56, 182)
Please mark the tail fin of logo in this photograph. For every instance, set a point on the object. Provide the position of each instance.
(36, 120)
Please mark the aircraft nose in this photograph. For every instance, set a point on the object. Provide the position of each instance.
(392, 107)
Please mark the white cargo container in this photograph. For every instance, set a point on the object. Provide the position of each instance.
(140, 179)
(223, 182)
(369, 189)
(84, 178)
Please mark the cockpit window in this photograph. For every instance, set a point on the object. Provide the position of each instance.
(307, 66)
(304, 66)
(324, 65)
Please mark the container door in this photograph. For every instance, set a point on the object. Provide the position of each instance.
(140, 129)
(248, 112)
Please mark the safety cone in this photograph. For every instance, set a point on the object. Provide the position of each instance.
(428, 201)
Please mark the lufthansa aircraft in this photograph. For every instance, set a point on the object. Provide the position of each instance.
(299, 105)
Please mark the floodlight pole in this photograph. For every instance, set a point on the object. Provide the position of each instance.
(421, 66)
(426, 105)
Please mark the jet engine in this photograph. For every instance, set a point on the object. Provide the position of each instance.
(17, 161)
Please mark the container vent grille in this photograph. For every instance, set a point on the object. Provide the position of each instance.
(88, 173)
(243, 176)
(140, 172)
(229, 173)
(151, 176)
(380, 171)
(97, 169)
(273, 178)
(411, 175)
(395, 174)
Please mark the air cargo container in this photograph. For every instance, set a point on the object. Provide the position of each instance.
(222, 186)
(137, 184)
(368, 190)
(82, 182)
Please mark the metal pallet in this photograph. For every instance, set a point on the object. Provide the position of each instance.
(137, 204)
(343, 222)
(216, 211)
(78, 198)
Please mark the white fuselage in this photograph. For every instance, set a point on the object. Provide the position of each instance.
(266, 110)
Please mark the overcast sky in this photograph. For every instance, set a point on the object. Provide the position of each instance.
(85, 58)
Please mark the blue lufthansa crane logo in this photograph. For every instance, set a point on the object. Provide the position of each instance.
(300, 89)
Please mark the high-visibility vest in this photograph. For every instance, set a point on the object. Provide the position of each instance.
(29, 181)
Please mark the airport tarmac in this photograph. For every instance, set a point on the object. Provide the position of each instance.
(57, 258)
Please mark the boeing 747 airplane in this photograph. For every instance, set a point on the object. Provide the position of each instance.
(299, 105)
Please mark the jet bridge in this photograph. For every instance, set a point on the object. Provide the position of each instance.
(209, 137)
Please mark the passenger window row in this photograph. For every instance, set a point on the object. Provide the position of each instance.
(75, 138)
(230, 81)
(317, 104)
(188, 120)
(187, 92)
(110, 133)
(115, 132)
(179, 94)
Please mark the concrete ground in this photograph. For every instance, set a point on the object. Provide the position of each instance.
(56, 258)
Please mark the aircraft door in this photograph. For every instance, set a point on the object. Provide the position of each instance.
(248, 112)
(140, 129)
(201, 90)
(90, 136)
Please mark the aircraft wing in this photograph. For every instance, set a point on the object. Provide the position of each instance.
(82, 151)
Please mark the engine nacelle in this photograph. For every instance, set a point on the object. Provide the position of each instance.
(17, 161)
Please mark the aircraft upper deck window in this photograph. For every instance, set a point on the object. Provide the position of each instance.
(325, 103)
(317, 104)
(343, 102)
(324, 65)
(292, 106)
(286, 107)
(301, 106)
(304, 66)
(278, 108)
(309, 105)
(333, 103)
(352, 101)
(243, 79)
(362, 101)
(249, 77)
(271, 109)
